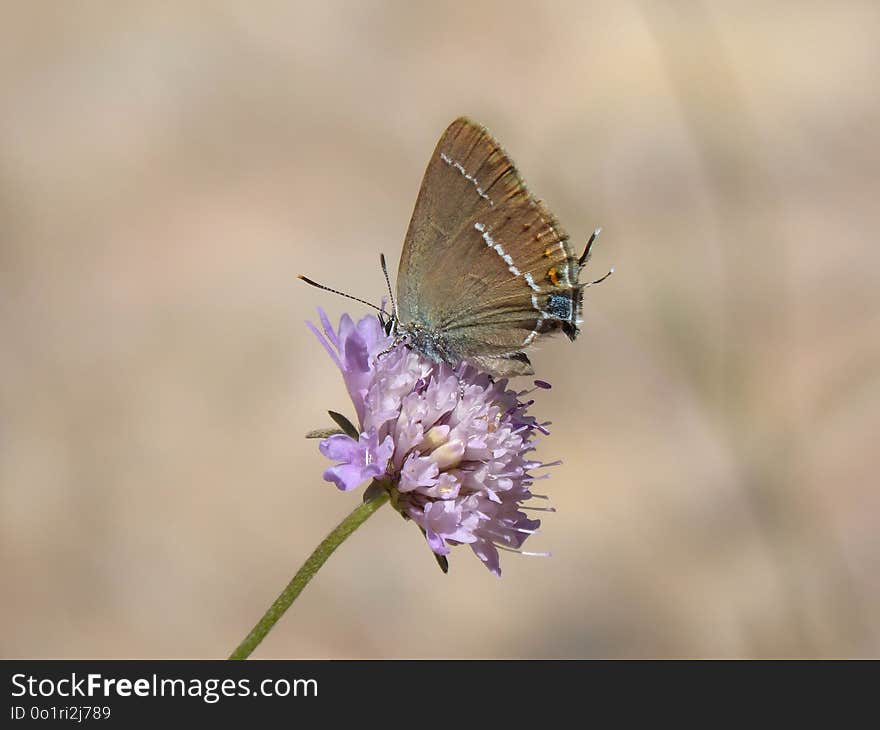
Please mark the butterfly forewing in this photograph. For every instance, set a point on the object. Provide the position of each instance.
(467, 167)
(485, 267)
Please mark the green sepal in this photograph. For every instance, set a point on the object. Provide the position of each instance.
(346, 425)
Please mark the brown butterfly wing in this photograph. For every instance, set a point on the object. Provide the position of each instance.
(484, 264)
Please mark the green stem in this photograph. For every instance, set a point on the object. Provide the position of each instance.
(358, 516)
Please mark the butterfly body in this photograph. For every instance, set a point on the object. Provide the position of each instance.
(485, 269)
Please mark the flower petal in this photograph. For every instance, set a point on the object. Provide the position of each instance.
(436, 543)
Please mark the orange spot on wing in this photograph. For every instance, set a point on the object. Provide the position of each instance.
(551, 274)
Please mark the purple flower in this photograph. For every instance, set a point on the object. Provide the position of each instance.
(450, 444)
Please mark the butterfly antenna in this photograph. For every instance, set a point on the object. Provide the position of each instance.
(388, 284)
(586, 254)
(336, 291)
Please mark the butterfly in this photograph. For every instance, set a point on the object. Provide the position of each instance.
(486, 269)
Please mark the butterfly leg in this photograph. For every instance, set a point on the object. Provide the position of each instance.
(397, 341)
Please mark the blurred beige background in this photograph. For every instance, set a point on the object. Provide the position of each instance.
(166, 169)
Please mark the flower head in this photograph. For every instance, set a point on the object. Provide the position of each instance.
(449, 443)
